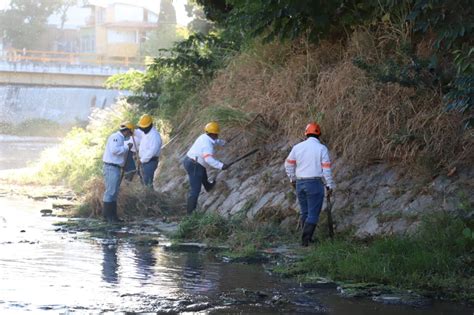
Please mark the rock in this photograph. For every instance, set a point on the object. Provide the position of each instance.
(289, 223)
(323, 284)
(46, 212)
(381, 194)
(278, 200)
(260, 204)
(167, 228)
(401, 299)
(234, 198)
(63, 205)
(440, 184)
(197, 307)
(369, 228)
(421, 204)
(238, 207)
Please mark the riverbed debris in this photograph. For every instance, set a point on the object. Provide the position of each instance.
(46, 212)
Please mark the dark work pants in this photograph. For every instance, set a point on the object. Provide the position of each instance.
(197, 176)
(148, 170)
(310, 194)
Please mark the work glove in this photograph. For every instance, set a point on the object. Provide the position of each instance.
(225, 166)
(328, 191)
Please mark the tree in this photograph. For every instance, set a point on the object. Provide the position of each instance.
(166, 34)
(199, 24)
(26, 20)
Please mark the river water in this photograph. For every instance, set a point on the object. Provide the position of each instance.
(43, 270)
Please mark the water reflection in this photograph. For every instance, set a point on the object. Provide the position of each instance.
(61, 273)
(145, 262)
(110, 264)
(198, 278)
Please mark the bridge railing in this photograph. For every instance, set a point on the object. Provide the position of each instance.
(59, 57)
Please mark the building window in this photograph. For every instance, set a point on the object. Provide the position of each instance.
(128, 13)
(87, 43)
(152, 17)
(121, 37)
(101, 15)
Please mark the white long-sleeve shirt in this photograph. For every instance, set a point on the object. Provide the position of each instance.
(202, 151)
(309, 159)
(150, 146)
(137, 136)
(115, 151)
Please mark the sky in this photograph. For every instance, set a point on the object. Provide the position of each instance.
(77, 16)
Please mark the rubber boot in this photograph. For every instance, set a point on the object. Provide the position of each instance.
(307, 235)
(129, 176)
(191, 205)
(107, 211)
(210, 186)
(113, 213)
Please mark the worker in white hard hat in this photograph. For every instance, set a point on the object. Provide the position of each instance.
(131, 166)
(114, 158)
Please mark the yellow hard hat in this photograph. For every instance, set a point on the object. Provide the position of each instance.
(212, 127)
(127, 125)
(145, 121)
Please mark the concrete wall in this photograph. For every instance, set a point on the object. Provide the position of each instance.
(47, 75)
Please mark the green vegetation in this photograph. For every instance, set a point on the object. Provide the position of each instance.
(443, 28)
(35, 128)
(437, 260)
(245, 238)
(78, 159)
(172, 81)
(26, 21)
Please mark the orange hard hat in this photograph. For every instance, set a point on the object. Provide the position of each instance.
(312, 129)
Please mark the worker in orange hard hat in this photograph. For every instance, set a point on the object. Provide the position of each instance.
(309, 168)
(200, 155)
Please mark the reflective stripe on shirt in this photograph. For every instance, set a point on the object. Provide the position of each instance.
(309, 159)
(202, 151)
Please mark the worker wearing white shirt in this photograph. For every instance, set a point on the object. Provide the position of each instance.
(114, 159)
(200, 155)
(130, 167)
(307, 165)
(150, 149)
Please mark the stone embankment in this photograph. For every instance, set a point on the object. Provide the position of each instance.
(371, 200)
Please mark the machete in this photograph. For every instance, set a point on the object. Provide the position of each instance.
(137, 155)
(328, 211)
(122, 171)
(242, 157)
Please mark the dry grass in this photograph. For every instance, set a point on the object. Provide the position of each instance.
(362, 120)
(134, 201)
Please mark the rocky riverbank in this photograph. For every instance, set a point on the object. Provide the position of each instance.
(378, 199)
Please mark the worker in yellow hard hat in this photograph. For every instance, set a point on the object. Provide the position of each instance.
(150, 149)
(114, 159)
(200, 155)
